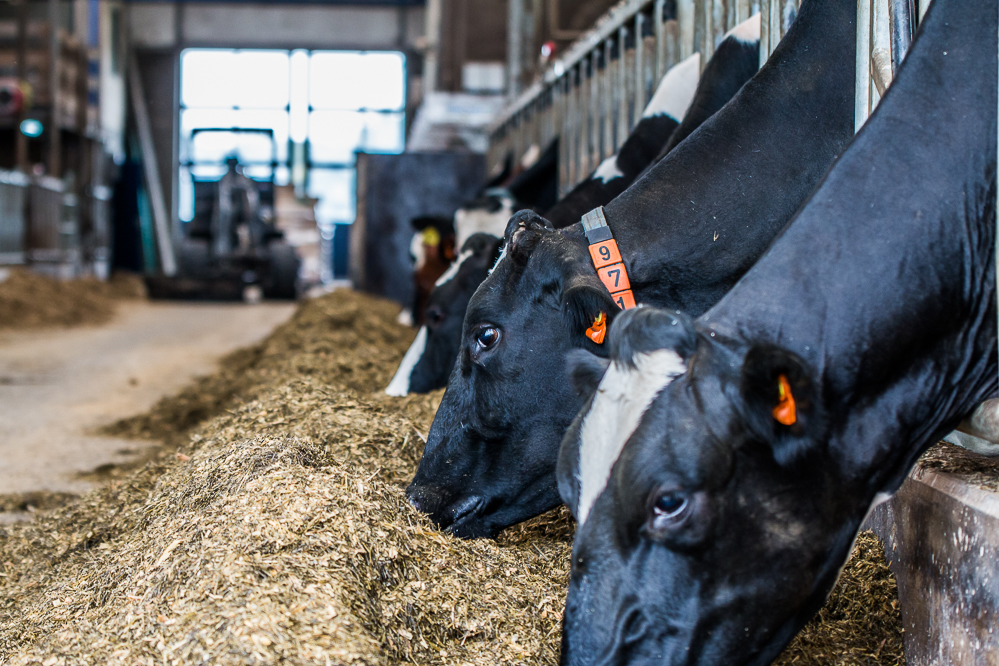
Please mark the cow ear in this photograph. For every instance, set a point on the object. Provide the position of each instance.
(645, 329)
(585, 371)
(589, 311)
(781, 402)
(523, 232)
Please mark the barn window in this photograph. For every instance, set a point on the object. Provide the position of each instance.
(320, 107)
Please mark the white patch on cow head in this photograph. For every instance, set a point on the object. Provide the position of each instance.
(468, 221)
(622, 397)
(746, 32)
(399, 386)
(530, 156)
(405, 317)
(608, 170)
(502, 255)
(676, 90)
(417, 252)
(452, 270)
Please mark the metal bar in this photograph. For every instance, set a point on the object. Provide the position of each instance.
(862, 104)
(596, 150)
(55, 135)
(608, 97)
(514, 46)
(622, 85)
(902, 20)
(150, 167)
(685, 19)
(659, 25)
(639, 98)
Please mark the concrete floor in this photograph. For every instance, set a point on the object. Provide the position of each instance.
(56, 386)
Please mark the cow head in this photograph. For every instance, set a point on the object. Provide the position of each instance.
(490, 455)
(446, 310)
(721, 524)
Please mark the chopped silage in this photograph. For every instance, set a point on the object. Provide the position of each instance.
(278, 532)
(30, 300)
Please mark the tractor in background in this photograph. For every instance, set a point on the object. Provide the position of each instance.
(232, 248)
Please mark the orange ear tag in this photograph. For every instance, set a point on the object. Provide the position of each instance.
(785, 412)
(598, 330)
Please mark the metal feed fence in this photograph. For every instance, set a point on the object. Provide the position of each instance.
(885, 29)
(593, 95)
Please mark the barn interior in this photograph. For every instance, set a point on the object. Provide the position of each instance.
(221, 225)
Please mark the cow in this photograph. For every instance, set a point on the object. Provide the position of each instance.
(719, 496)
(428, 363)
(686, 231)
(488, 212)
(432, 251)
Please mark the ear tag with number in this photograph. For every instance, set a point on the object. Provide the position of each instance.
(598, 330)
(785, 411)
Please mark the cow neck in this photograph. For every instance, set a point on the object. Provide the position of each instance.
(885, 284)
(702, 216)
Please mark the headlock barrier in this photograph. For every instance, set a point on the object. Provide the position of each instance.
(941, 530)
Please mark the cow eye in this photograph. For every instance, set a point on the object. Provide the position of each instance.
(669, 505)
(434, 315)
(486, 337)
(669, 509)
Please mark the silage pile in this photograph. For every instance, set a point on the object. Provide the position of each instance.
(278, 532)
(30, 300)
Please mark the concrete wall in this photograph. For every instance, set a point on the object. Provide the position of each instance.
(248, 25)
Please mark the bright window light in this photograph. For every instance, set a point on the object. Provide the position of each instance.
(337, 101)
(227, 78)
(350, 80)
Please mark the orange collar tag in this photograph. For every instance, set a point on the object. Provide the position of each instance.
(785, 411)
(607, 258)
(598, 330)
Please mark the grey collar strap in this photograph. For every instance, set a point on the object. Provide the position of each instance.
(595, 226)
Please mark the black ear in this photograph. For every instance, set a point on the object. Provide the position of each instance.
(585, 371)
(781, 402)
(646, 329)
(523, 232)
(484, 247)
(585, 299)
(443, 224)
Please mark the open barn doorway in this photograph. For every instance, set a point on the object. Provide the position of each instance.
(316, 110)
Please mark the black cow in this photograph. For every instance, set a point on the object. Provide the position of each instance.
(773, 423)
(687, 231)
(427, 364)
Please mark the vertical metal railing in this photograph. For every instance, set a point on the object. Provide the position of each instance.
(13, 200)
(885, 29)
(594, 94)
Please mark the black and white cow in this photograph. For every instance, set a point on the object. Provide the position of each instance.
(660, 119)
(727, 464)
(427, 364)
(729, 68)
(687, 231)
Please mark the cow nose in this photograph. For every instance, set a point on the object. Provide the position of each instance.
(425, 499)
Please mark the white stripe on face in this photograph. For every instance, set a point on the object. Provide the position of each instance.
(452, 270)
(676, 90)
(622, 397)
(417, 251)
(608, 170)
(399, 386)
(746, 32)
